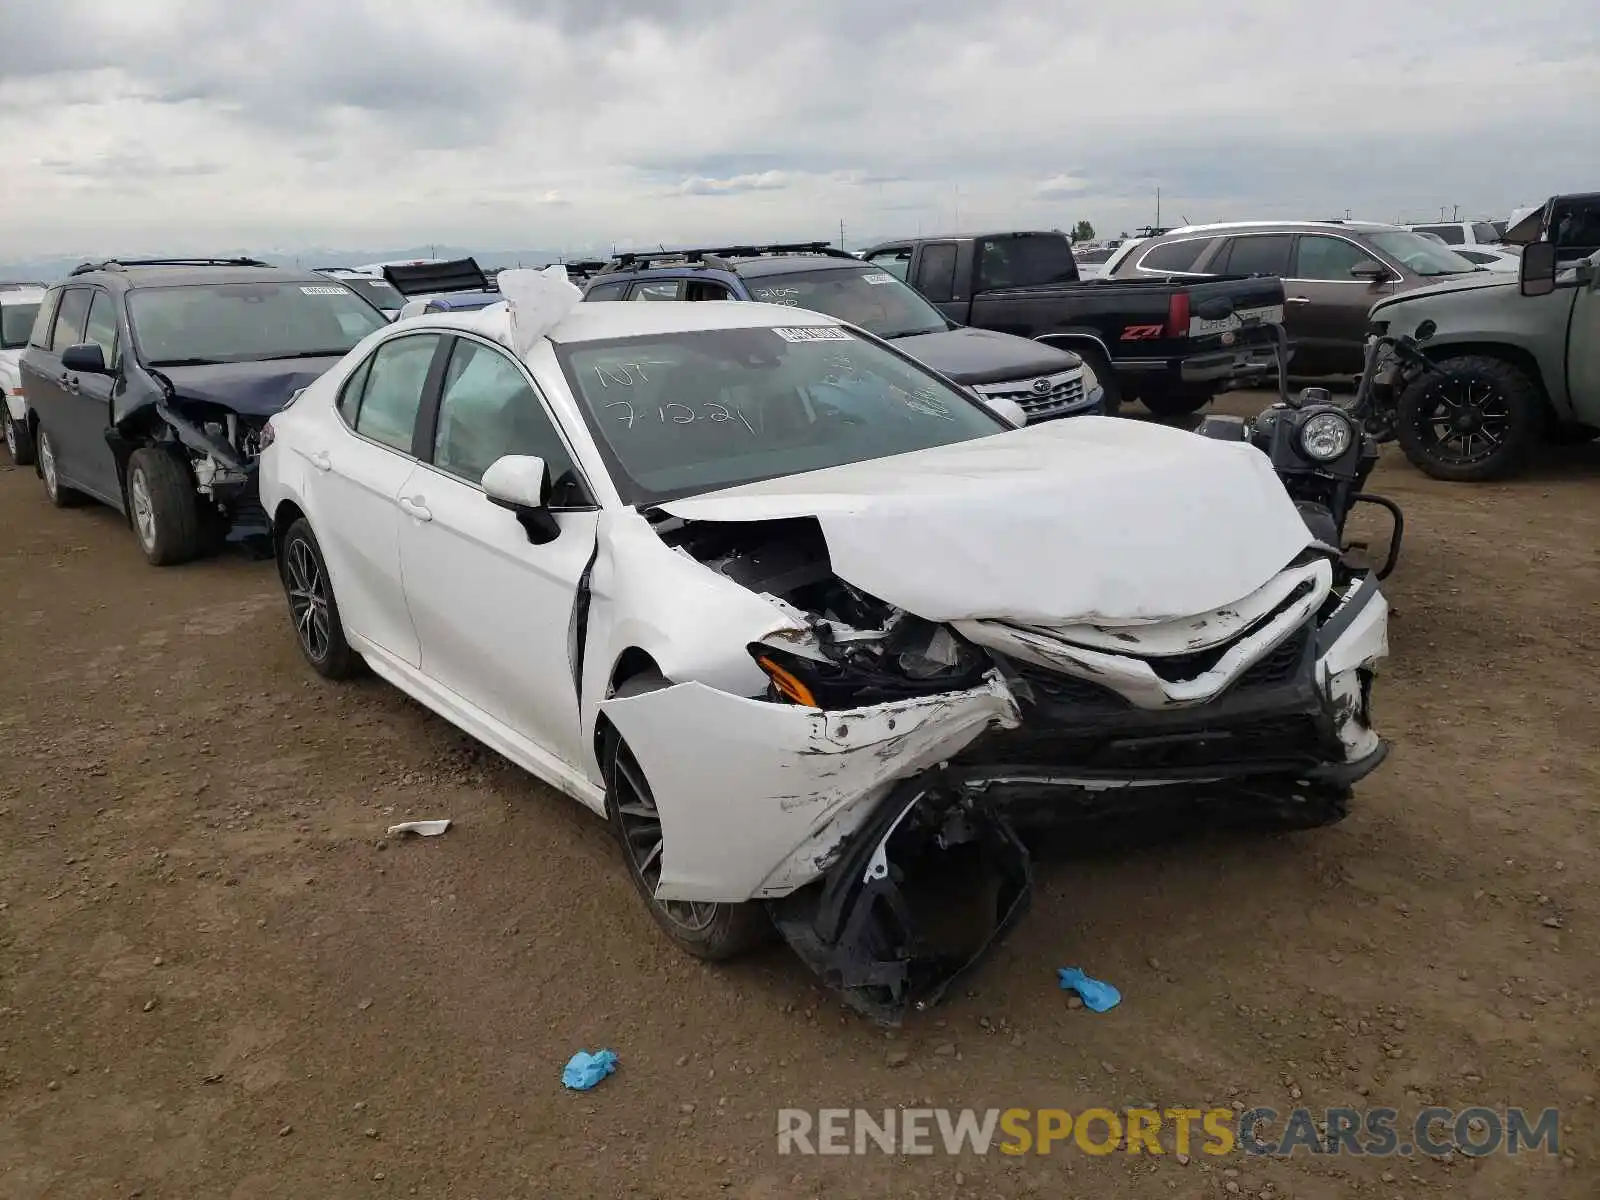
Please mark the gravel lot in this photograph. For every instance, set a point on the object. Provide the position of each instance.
(216, 979)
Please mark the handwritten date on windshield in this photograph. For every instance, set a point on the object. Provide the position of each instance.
(678, 414)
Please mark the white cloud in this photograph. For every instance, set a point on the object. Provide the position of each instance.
(203, 125)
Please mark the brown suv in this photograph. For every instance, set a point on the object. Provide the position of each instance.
(1333, 272)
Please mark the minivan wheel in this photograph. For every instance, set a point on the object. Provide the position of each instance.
(162, 507)
(710, 931)
(312, 606)
(19, 443)
(1477, 418)
(59, 494)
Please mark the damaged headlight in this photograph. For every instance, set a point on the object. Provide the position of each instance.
(911, 658)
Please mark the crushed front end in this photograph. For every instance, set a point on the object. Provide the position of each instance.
(874, 795)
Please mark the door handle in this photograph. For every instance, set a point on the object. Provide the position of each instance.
(69, 383)
(1297, 300)
(413, 507)
(320, 460)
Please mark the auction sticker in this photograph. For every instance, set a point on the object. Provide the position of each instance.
(814, 333)
(879, 277)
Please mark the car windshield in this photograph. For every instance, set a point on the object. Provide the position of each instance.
(248, 322)
(379, 291)
(1420, 255)
(683, 413)
(16, 320)
(866, 296)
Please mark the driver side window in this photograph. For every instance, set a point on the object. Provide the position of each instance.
(487, 411)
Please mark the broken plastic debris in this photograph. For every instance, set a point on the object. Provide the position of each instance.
(420, 828)
(585, 1069)
(1097, 996)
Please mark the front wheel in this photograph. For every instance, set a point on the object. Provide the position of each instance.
(1475, 419)
(162, 505)
(706, 930)
(19, 442)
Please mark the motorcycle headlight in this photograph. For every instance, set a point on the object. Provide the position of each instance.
(1326, 436)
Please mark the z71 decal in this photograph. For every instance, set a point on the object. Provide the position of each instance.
(1142, 333)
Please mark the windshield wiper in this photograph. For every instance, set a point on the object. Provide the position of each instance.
(190, 362)
(303, 354)
(905, 333)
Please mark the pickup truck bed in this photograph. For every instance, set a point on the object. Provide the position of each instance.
(1173, 345)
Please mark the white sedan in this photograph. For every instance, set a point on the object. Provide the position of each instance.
(813, 628)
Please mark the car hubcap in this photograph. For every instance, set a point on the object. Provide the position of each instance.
(47, 463)
(11, 436)
(1464, 421)
(144, 510)
(308, 598)
(641, 830)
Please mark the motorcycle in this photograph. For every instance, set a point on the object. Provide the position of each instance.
(1324, 451)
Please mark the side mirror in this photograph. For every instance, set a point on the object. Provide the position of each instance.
(86, 358)
(1008, 410)
(521, 483)
(1537, 273)
(1370, 272)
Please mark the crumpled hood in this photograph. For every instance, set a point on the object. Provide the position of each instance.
(1456, 283)
(1097, 519)
(252, 389)
(984, 356)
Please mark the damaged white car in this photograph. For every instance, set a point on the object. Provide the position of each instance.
(813, 628)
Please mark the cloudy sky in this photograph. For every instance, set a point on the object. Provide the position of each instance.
(201, 125)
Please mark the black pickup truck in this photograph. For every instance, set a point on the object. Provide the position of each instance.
(1171, 345)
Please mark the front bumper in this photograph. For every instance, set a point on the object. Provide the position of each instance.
(866, 829)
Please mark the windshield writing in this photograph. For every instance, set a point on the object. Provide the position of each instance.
(872, 299)
(680, 414)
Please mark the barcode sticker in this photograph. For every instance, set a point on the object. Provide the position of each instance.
(814, 333)
(879, 277)
(324, 291)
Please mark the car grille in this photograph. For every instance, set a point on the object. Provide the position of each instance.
(1066, 390)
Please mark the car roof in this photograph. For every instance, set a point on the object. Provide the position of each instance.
(967, 237)
(177, 275)
(600, 320)
(1284, 226)
(788, 264)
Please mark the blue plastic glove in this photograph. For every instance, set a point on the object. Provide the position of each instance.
(585, 1070)
(1097, 996)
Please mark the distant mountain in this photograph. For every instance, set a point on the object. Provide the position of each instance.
(49, 269)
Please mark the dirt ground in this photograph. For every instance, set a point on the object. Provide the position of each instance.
(218, 980)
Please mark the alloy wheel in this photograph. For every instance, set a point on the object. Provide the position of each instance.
(308, 598)
(144, 509)
(1463, 421)
(11, 437)
(641, 829)
(47, 463)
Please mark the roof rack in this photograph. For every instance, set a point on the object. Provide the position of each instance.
(118, 264)
(718, 256)
(438, 278)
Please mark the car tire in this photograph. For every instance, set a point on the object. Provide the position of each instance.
(714, 932)
(1496, 394)
(163, 507)
(19, 441)
(1175, 403)
(59, 494)
(313, 608)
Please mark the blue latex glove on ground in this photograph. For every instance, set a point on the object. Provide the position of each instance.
(585, 1070)
(1097, 996)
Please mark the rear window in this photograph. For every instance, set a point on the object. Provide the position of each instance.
(16, 321)
(1484, 231)
(1025, 260)
(248, 322)
(1175, 256)
(1451, 235)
